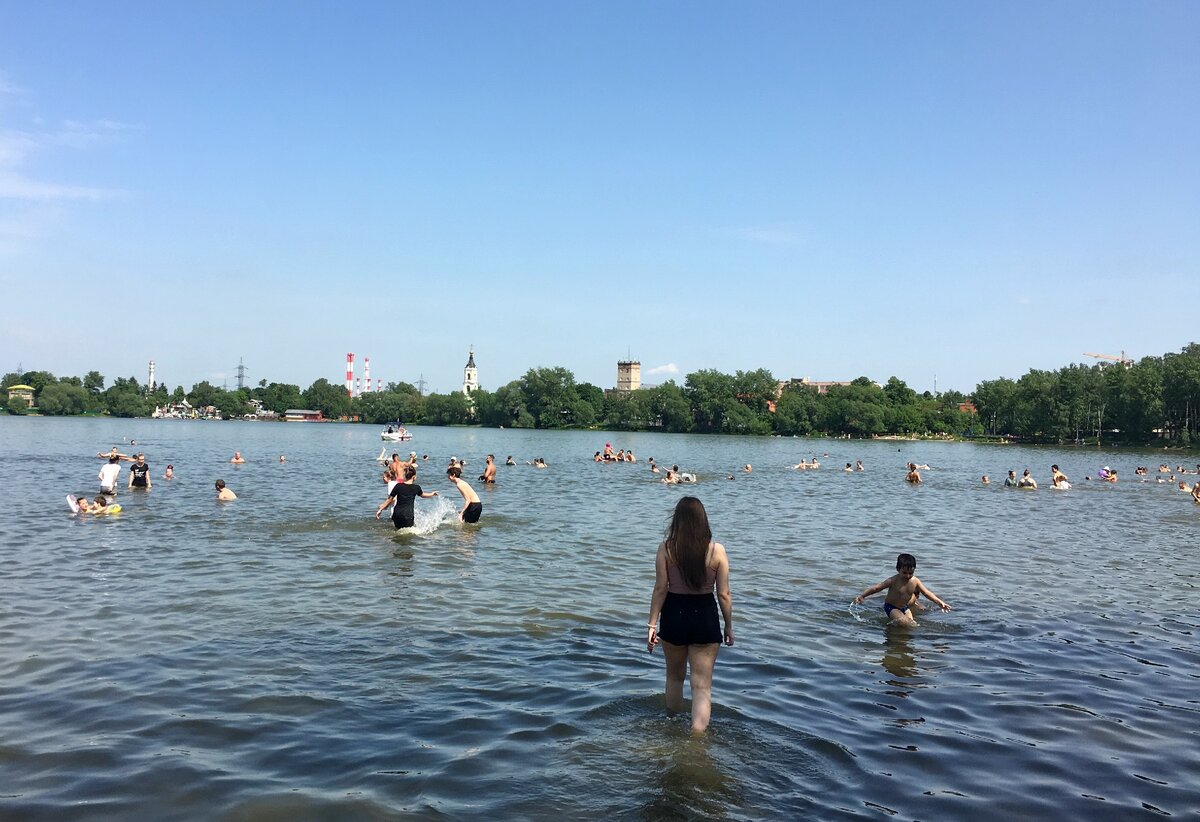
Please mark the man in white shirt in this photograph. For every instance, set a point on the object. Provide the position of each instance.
(109, 474)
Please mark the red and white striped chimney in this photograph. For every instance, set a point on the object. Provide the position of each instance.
(350, 374)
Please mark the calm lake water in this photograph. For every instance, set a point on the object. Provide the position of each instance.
(285, 656)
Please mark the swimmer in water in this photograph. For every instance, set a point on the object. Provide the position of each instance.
(100, 506)
(237, 458)
(472, 507)
(986, 481)
(913, 477)
(224, 494)
(170, 472)
(488, 476)
(1027, 481)
(510, 460)
(903, 590)
(403, 495)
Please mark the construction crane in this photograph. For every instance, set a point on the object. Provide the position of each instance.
(1123, 360)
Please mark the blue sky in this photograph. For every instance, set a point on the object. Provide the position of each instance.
(963, 190)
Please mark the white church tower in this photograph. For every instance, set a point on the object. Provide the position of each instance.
(470, 375)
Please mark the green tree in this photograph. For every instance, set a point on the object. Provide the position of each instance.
(93, 383)
(447, 409)
(712, 396)
(124, 400)
(996, 401)
(796, 411)
(39, 380)
(280, 397)
(858, 408)
(627, 410)
(549, 395)
(62, 399)
(204, 394)
(330, 400)
(668, 408)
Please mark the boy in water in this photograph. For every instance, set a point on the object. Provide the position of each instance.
(902, 592)
(472, 507)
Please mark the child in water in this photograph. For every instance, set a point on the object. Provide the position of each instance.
(902, 592)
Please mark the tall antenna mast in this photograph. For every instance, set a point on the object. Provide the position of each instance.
(421, 386)
(241, 372)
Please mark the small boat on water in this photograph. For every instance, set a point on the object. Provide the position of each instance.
(396, 434)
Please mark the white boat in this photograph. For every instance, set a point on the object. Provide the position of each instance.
(398, 435)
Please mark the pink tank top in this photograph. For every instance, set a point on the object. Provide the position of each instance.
(677, 585)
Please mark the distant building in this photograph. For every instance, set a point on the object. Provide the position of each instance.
(470, 375)
(629, 375)
(181, 410)
(821, 386)
(303, 415)
(23, 392)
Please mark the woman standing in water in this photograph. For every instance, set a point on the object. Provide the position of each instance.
(687, 568)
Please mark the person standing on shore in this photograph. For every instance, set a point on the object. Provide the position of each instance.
(688, 567)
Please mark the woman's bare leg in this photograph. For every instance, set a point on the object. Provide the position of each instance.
(701, 659)
(677, 660)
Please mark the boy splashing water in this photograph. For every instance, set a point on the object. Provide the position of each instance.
(902, 592)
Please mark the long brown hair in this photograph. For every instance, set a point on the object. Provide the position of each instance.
(688, 536)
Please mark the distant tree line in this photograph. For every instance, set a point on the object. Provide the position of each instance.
(1157, 397)
(1152, 399)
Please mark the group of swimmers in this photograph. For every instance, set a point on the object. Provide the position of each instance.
(1059, 481)
(403, 490)
(139, 478)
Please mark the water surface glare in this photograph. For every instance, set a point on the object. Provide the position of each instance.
(287, 656)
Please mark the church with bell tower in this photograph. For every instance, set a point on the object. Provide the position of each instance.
(470, 375)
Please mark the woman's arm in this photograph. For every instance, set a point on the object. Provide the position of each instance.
(387, 503)
(658, 597)
(724, 597)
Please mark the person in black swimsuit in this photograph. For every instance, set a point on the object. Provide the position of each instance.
(688, 568)
(402, 497)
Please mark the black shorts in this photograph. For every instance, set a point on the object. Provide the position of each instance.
(690, 619)
(403, 522)
(472, 513)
